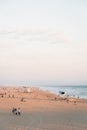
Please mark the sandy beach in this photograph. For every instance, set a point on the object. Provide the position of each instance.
(40, 110)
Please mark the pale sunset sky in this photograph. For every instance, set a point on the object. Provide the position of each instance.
(43, 42)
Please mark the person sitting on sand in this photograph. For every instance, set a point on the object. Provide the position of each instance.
(19, 111)
(14, 111)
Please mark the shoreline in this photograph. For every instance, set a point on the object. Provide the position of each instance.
(55, 90)
(73, 91)
(36, 93)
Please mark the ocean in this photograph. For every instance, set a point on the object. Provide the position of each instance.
(72, 91)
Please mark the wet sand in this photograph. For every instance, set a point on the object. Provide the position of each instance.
(40, 110)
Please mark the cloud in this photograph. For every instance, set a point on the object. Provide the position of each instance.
(31, 35)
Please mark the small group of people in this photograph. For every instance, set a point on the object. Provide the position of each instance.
(16, 111)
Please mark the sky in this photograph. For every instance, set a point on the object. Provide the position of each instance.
(43, 42)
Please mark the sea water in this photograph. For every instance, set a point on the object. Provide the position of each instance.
(73, 91)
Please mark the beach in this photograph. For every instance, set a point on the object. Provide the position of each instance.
(40, 110)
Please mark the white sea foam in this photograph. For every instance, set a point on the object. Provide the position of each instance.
(73, 91)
